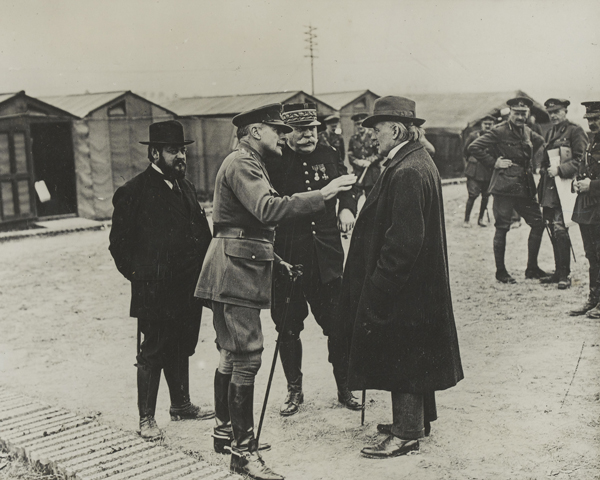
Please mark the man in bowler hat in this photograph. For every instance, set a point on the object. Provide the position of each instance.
(314, 242)
(396, 287)
(568, 141)
(158, 240)
(587, 211)
(236, 275)
(508, 151)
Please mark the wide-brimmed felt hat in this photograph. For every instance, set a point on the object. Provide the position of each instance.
(166, 133)
(553, 104)
(393, 108)
(592, 109)
(269, 114)
(300, 114)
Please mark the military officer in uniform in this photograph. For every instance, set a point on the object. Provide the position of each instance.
(478, 175)
(236, 275)
(330, 138)
(508, 150)
(587, 210)
(362, 154)
(314, 242)
(571, 142)
(158, 239)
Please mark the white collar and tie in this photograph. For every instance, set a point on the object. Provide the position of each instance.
(168, 182)
(391, 154)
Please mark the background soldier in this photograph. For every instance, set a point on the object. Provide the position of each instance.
(314, 242)
(587, 210)
(158, 240)
(478, 175)
(509, 148)
(330, 138)
(236, 276)
(571, 141)
(362, 154)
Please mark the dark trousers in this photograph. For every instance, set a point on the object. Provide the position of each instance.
(410, 412)
(474, 189)
(590, 234)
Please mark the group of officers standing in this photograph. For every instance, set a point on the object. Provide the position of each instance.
(500, 163)
(282, 198)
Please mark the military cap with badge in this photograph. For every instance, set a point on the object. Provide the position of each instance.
(554, 104)
(267, 114)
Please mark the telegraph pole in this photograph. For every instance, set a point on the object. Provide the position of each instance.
(310, 39)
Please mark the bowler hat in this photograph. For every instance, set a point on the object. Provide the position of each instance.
(300, 114)
(269, 114)
(592, 109)
(519, 104)
(166, 133)
(393, 108)
(553, 104)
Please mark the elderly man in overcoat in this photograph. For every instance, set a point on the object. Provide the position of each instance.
(236, 275)
(396, 288)
(158, 239)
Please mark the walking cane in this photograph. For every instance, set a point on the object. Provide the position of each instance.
(362, 414)
(296, 272)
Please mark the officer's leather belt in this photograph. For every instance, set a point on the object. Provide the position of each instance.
(260, 234)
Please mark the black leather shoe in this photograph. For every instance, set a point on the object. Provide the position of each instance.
(550, 279)
(392, 446)
(191, 412)
(148, 429)
(386, 428)
(292, 403)
(481, 223)
(348, 400)
(504, 277)
(564, 283)
(594, 312)
(535, 272)
(250, 463)
(590, 303)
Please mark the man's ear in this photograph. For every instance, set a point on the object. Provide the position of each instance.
(155, 153)
(255, 132)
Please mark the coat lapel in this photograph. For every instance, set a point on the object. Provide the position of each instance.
(165, 194)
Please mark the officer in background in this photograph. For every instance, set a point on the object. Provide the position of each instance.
(363, 154)
(314, 242)
(236, 275)
(478, 175)
(587, 210)
(508, 149)
(571, 142)
(330, 138)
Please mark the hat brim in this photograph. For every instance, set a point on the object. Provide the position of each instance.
(373, 120)
(306, 123)
(283, 126)
(185, 142)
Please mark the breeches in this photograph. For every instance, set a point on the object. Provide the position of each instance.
(555, 218)
(242, 367)
(238, 328)
(590, 234)
(528, 208)
(166, 341)
(477, 187)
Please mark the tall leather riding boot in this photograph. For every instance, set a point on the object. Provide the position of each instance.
(177, 374)
(290, 353)
(245, 458)
(590, 303)
(339, 361)
(148, 381)
(563, 248)
(499, 250)
(469, 207)
(533, 247)
(222, 433)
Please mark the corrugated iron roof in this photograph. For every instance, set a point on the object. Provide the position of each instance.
(83, 104)
(228, 104)
(455, 111)
(339, 100)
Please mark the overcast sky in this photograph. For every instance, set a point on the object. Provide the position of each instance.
(185, 47)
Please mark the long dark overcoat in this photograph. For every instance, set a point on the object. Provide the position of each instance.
(396, 292)
(158, 240)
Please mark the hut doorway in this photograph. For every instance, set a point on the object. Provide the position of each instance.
(53, 163)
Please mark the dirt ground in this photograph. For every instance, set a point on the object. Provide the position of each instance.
(528, 408)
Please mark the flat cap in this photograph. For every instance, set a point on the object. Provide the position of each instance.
(300, 114)
(519, 104)
(269, 114)
(592, 109)
(553, 104)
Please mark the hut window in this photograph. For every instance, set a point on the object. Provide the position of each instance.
(8, 205)
(20, 154)
(4, 154)
(117, 110)
(24, 206)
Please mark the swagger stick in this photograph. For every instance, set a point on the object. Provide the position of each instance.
(296, 272)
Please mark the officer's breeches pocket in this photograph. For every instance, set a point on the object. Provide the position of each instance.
(247, 270)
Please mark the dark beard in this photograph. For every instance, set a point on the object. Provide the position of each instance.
(171, 173)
